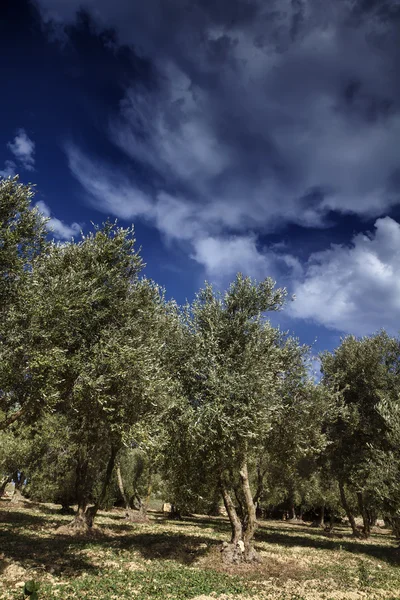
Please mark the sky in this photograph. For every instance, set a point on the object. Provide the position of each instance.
(236, 135)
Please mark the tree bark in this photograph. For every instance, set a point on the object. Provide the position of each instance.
(347, 509)
(85, 515)
(239, 507)
(3, 484)
(251, 520)
(321, 519)
(234, 520)
(364, 514)
(128, 506)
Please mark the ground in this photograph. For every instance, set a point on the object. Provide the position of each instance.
(176, 560)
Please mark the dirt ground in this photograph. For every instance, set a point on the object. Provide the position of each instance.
(182, 559)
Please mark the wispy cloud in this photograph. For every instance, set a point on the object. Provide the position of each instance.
(60, 230)
(261, 114)
(9, 169)
(179, 220)
(265, 113)
(23, 149)
(107, 188)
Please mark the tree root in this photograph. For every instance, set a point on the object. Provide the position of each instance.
(237, 553)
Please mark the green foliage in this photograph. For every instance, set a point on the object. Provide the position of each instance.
(22, 239)
(31, 589)
(95, 366)
(365, 372)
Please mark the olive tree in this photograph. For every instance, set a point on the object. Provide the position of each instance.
(363, 371)
(230, 383)
(22, 239)
(96, 336)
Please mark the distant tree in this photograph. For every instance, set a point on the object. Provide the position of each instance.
(364, 371)
(139, 465)
(292, 450)
(49, 459)
(386, 480)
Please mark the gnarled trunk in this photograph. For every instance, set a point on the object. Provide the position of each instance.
(235, 522)
(347, 510)
(128, 507)
(241, 546)
(251, 520)
(85, 514)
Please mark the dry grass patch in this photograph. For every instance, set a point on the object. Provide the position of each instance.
(176, 560)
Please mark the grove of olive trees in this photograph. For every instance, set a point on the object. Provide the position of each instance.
(110, 395)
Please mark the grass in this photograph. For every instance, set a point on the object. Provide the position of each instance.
(181, 560)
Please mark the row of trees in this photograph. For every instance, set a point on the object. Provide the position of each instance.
(109, 391)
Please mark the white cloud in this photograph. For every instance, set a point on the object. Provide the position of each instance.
(9, 169)
(265, 113)
(261, 114)
(60, 230)
(224, 256)
(23, 149)
(180, 220)
(108, 189)
(354, 288)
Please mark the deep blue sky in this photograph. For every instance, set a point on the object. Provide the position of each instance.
(235, 135)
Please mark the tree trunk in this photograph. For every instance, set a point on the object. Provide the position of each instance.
(251, 521)
(347, 510)
(239, 507)
(85, 515)
(260, 489)
(291, 499)
(321, 519)
(234, 520)
(128, 508)
(3, 485)
(364, 514)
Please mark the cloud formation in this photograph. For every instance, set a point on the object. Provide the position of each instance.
(265, 113)
(354, 288)
(60, 230)
(23, 149)
(180, 221)
(258, 115)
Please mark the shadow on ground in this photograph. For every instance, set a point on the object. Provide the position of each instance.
(30, 543)
(29, 540)
(309, 538)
